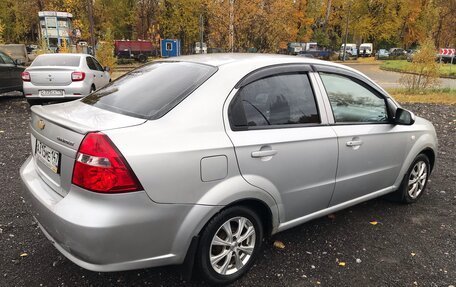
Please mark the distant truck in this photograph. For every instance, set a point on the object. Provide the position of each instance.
(198, 48)
(351, 51)
(295, 48)
(138, 50)
(366, 50)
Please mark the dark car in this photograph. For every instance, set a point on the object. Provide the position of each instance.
(10, 74)
(397, 52)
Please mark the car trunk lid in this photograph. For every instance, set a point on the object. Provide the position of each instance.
(51, 76)
(56, 133)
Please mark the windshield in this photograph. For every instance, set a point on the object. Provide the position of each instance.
(57, 60)
(152, 90)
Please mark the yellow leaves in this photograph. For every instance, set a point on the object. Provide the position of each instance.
(279, 244)
(373, 222)
(341, 264)
(23, 254)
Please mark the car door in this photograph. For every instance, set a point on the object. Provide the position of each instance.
(282, 141)
(104, 75)
(371, 147)
(96, 74)
(11, 74)
(4, 76)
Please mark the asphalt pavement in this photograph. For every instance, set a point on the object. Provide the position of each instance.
(389, 80)
(410, 245)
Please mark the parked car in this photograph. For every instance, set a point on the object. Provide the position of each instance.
(63, 77)
(382, 54)
(201, 157)
(410, 55)
(397, 53)
(16, 52)
(10, 74)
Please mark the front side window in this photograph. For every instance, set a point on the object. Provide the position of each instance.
(285, 99)
(351, 102)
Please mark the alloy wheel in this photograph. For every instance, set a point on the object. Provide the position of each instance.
(417, 179)
(232, 245)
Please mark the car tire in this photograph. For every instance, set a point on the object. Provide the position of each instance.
(33, 102)
(142, 58)
(223, 246)
(415, 181)
(92, 89)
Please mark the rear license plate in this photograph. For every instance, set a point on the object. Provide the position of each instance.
(48, 156)
(51, 93)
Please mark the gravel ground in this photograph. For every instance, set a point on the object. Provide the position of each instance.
(412, 245)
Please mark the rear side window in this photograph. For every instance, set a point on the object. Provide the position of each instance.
(91, 63)
(57, 60)
(285, 99)
(151, 91)
(6, 59)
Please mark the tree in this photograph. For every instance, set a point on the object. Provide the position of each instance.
(424, 73)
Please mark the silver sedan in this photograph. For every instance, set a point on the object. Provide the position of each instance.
(198, 158)
(63, 76)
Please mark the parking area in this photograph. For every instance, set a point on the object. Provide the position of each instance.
(377, 243)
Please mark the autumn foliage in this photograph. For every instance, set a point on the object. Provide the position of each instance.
(262, 25)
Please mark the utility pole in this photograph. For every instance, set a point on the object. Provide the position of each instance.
(92, 36)
(232, 26)
(346, 32)
(201, 33)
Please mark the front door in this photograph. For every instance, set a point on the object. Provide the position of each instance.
(371, 150)
(282, 142)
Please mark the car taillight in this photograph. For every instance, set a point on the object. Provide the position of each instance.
(78, 76)
(26, 76)
(100, 167)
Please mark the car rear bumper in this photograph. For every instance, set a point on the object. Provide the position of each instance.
(114, 232)
(74, 90)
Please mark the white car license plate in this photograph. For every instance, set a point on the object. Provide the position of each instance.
(51, 93)
(48, 156)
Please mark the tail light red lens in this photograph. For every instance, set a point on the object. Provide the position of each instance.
(26, 76)
(100, 167)
(78, 76)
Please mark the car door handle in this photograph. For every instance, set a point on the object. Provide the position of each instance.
(263, 153)
(354, 143)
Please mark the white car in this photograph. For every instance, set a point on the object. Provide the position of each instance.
(63, 76)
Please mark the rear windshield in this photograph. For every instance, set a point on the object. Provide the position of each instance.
(152, 90)
(54, 60)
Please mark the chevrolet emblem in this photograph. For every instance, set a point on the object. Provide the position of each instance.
(40, 124)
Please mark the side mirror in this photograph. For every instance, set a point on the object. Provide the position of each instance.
(19, 62)
(404, 117)
(107, 69)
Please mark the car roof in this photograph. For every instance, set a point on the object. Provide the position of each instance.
(254, 60)
(63, 54)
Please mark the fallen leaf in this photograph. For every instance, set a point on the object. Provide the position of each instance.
(341, 263)
(413, 254)
(279, 244)
(373, 222)
(24, 254)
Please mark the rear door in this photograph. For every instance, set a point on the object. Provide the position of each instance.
(96, 73)
(281, 138)
(104, 75)
(371, 148)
